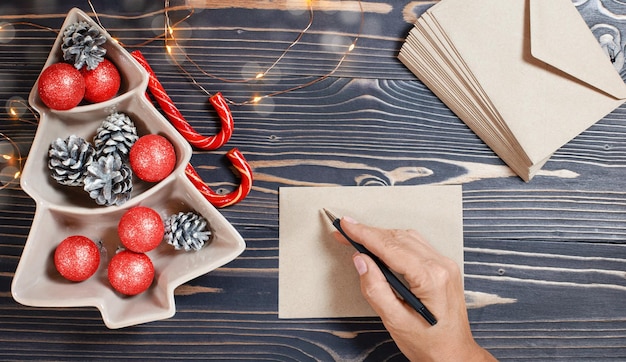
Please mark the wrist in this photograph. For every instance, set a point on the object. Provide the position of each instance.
(479, 354)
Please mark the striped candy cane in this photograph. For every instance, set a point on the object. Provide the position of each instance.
(178, 121)
(218, 200)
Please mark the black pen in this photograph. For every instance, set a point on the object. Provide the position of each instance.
(396, 284)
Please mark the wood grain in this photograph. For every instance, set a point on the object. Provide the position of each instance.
(545, 261)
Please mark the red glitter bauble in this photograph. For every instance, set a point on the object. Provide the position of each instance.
(77, 258)
(152, 158)
(130, 273)
(141, 229)
(61, 86)
(102, 83)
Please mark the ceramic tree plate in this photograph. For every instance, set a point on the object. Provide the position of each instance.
(62, 211)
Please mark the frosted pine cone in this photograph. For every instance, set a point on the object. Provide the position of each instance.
(82, 45)
(109, 180)
(117, 133)
(188, 231)
(68, 160)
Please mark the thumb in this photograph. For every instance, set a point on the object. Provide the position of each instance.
(377, 290)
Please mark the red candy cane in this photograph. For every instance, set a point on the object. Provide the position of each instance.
(218, 200)
(178, 121)
(207, 143)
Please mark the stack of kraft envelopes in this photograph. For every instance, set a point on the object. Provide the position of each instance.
(526, 76)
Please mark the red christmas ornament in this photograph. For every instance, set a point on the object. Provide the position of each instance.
(61, 86)
(130, 273)
(77, 258)
(141, 229)
(102, 83)
(152, 158)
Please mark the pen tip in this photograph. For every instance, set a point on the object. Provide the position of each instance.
(329, 214)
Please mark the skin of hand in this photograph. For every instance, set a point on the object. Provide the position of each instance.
(433, 278)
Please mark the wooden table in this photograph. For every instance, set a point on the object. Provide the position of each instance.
(545, 261)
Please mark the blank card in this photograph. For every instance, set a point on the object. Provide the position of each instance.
(316, 275)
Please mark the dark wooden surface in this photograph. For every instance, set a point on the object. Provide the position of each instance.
(545, 261)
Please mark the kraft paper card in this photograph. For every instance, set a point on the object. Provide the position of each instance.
(526, 76)
(316, 276)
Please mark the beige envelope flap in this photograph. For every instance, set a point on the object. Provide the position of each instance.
(571, 49)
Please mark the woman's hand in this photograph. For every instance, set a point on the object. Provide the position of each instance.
(434, 279)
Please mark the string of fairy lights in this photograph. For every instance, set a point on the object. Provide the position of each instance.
(172, 45)
(16, 107)
(11, 160)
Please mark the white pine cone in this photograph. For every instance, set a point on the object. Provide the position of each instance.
(188, 231)
(68, 160)
(109, 180)
(117, 133)
(82, 45)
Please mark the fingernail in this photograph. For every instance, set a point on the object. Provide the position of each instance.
(350, 220)
(359, 264)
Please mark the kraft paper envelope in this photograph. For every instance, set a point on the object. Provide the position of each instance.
(316, 276)
(526, 75)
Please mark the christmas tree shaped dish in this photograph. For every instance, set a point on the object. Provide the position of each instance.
(62, 211)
